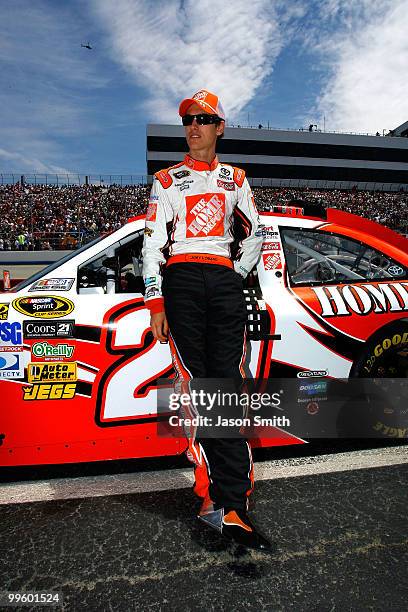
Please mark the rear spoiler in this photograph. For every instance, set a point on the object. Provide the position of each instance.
(340, 217)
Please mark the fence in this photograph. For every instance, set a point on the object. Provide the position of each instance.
(62, 180)
(123, 180)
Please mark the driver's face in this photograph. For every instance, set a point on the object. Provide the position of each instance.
(201, 137)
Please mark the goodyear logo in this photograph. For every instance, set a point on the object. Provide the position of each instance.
(4, 311)
(51, 372)
(49, 392)
(47, 307)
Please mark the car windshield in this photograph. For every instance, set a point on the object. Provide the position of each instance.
(56, 264)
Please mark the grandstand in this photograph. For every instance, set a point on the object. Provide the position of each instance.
(366, 175)
(299, 158)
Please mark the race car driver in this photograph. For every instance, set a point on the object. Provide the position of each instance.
(195, 297)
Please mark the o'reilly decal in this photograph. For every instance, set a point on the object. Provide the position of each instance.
(50, 329)
(45, 349)
(47, 307)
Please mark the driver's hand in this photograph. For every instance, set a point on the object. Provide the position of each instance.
(159, 325)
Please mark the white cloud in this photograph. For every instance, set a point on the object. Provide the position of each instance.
(44, 83)
(367, 59)
(173, 48)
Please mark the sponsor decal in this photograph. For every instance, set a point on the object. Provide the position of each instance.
(316, 387)
(151, 211)
(148, 231)
(11, 365)
(392, 432)
(184, 185)
(164, 177)
(205, 215)
(267, 232)
(395, 270)
(200, 95)
(225, 172)
(4, 311)
(239, 175)
(338, 301)
(182, 173)
(150, 280)
(151, 293)
(10, 333)
(47, 307)
(312, 408)
(51, 372)
(52, 329)
(312, 373)
(46, 350)
(245, 272)
(396, 340)
(271, 246)
(387, 343)
(11, 349)
(48, 391)
(272, 261)
(53, 284)
(227, 186)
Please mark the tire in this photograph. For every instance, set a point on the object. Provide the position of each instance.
(377, 406)
(385, 354)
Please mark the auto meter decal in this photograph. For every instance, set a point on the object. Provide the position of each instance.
(52, 284)
(4, 311)
(52, 372)
(47, 307)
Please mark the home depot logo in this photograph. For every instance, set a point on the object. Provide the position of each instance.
(272, 261)
(205, 215)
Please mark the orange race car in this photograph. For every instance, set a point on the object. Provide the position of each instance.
(79, 365)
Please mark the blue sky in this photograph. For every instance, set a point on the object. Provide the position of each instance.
(64, 108)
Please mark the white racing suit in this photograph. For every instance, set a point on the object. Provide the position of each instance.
(190, 271)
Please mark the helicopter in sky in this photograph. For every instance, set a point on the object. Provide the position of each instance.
(87, 46)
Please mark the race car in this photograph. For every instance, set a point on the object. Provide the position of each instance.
(79, 367)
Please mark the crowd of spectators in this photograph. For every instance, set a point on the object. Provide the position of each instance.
(43, 217)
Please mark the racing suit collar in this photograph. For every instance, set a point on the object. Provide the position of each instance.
(201, 166)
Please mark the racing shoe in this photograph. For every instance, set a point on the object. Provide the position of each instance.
(237, 526)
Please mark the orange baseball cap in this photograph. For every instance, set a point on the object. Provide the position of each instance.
(208, 101)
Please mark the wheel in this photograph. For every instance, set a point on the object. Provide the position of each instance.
(377, 396)
(385, 354)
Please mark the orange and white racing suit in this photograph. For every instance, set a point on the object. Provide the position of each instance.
(193, 269)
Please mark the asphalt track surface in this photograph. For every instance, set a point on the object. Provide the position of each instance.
(340, 527)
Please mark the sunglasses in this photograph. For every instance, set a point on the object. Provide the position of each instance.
(202, 119)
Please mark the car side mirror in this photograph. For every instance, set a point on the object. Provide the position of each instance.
(111, 263)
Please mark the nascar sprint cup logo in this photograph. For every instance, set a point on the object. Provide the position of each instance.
(47, 307)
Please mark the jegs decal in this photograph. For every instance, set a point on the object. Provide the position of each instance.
(43, 391)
